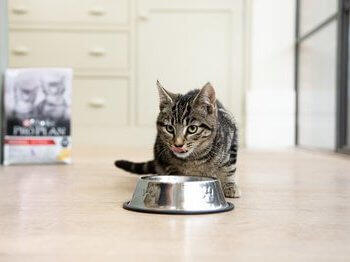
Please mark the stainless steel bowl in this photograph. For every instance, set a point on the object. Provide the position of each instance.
(178, 195)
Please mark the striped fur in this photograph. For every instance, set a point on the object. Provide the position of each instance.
(137, 168)
(209, 151)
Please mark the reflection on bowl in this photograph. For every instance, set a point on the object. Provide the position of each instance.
(178, 195)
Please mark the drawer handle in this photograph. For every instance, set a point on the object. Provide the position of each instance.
(97, 11)
(97, 52)
(21, 50)
(143, 15)
(97, 102)
(19, 10)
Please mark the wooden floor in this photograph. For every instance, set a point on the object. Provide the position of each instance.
(295, 206)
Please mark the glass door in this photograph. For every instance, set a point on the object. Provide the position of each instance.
(316, 73)
(322, 78)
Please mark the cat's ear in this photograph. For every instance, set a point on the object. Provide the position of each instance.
(206, 97)
(165, 97)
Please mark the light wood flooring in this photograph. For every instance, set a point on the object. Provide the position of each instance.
(295, 206)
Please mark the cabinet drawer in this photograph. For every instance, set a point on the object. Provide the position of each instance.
(69, 49)
(69, 11)
(100, 102)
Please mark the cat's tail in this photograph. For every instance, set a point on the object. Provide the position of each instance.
(137, 168)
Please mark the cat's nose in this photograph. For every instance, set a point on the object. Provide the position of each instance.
(179, 142)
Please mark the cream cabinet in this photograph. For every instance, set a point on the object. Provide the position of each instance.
(119, 48)
(94, 38)
(89, 12)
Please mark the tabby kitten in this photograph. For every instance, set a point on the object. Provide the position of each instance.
(196, 136)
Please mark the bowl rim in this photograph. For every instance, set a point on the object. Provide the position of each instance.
(196, 179)
(126, 206)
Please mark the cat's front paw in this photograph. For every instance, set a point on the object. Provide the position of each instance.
(231, 190)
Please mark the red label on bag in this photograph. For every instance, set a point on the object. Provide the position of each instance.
(29, 142)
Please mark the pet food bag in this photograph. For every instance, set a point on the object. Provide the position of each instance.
(37, 125)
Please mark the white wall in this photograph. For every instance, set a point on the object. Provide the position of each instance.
(270, 100)
(3, 52)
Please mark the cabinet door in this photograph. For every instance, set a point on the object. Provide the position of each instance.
(185, 44)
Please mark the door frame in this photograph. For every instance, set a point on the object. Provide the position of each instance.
(342, 76)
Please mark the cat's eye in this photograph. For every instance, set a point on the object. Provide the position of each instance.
(192, 129)
(169, 129)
